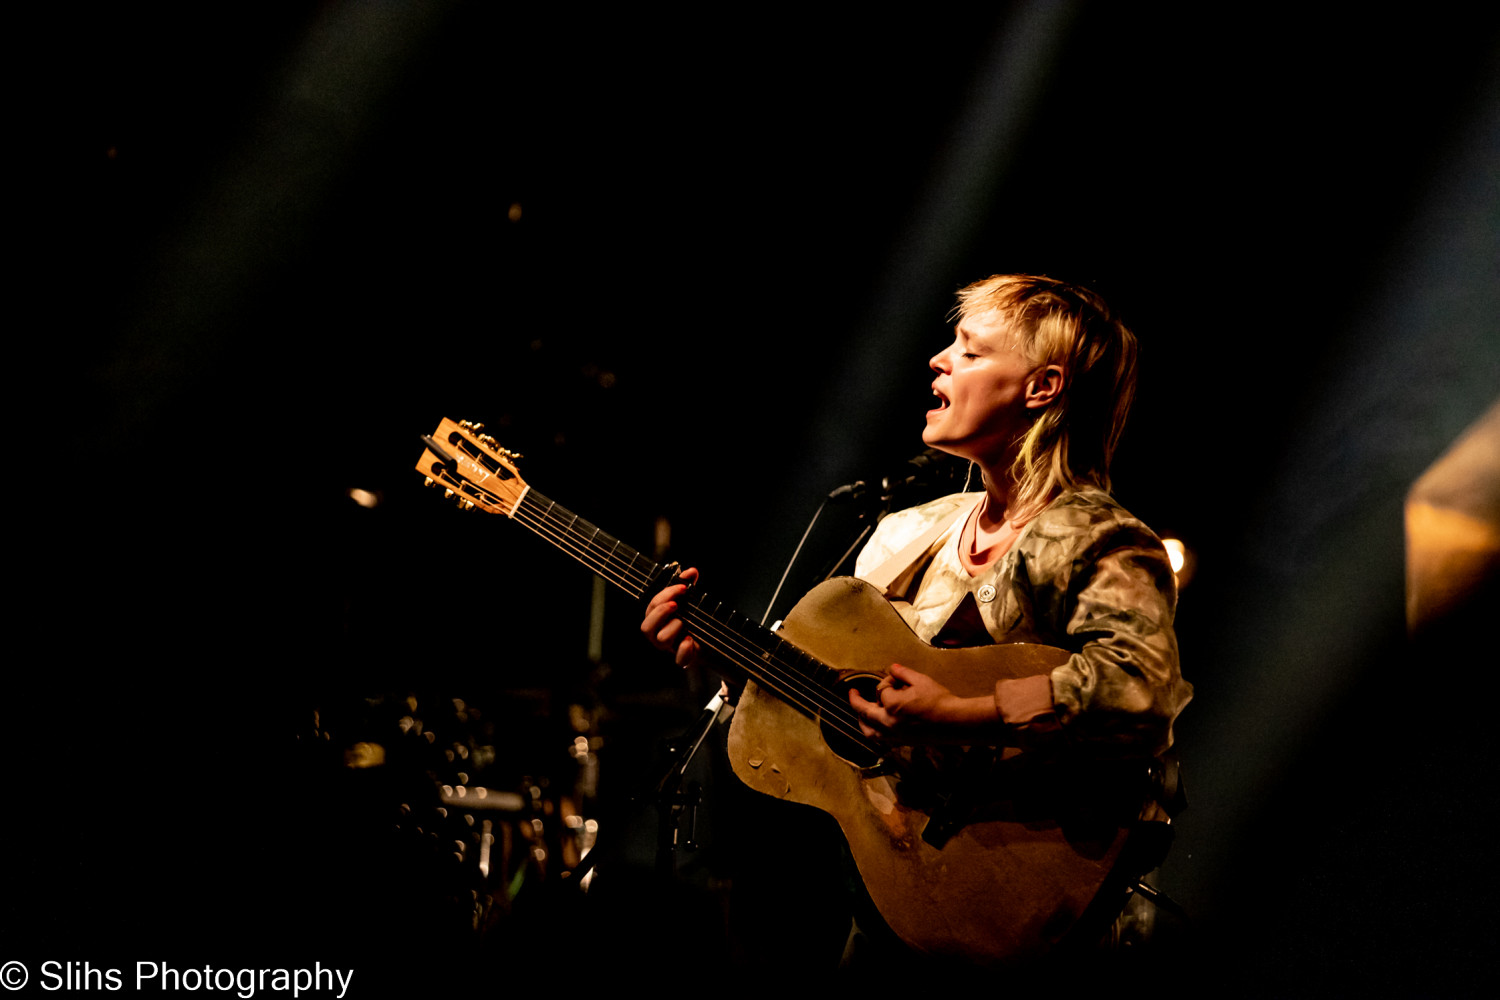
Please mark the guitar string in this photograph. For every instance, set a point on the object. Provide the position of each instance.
(593, 554)
(726, 641)
(801, 690)
(723, 640)
(829, 707)
(797, 688)
(794, 684)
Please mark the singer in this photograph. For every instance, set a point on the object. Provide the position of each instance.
(1034, 389)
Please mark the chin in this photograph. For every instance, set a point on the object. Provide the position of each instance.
(936, 441)
(946, 447)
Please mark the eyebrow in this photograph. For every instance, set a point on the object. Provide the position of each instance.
(969, 339)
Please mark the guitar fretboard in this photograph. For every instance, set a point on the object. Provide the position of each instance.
(796, 677)
(595, 548)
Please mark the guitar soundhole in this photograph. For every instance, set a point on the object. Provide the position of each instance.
(850, 746)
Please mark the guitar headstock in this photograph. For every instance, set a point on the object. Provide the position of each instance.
(473, 467)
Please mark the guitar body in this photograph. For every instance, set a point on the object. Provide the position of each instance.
(1025, 860)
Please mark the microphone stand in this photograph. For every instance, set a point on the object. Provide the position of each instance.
(671, 800)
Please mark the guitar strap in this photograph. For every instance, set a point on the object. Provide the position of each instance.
(894, 576)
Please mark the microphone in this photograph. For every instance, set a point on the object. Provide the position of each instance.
(929, 469)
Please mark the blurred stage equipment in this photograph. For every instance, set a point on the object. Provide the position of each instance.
(491, 844)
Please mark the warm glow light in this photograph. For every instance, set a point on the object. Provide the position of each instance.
(364, 498)
(1453, 525)
(364, 755)
(1184, 562)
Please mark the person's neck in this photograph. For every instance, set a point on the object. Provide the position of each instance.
(999, 489)
(990, 532)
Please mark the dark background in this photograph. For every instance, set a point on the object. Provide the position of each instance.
(265, 252)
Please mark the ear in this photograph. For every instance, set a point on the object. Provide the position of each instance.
(1045, 386)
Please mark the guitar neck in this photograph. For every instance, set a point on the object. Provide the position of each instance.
(728, 633)
(796, 677)
(601, 552)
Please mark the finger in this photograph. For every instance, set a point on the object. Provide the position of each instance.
(667, 594)
(670, 633)
(657, 617)
(869, 712)
(687, 652)
(903, 674)
(655, 612)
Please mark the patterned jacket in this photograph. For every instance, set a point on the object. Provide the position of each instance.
(1083, 575)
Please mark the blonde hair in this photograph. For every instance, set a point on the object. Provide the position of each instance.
(1070, 442)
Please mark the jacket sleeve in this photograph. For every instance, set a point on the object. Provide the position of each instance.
(1115, 601)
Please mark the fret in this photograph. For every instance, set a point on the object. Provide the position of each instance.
(589, 544)
(801, 680)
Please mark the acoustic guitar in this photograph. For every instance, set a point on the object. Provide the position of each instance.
(987, 856)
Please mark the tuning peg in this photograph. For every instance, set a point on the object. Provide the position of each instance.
(447, 494)
(428, 482)
(477, 428)
(467, 505)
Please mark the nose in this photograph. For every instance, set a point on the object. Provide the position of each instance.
(939, 361)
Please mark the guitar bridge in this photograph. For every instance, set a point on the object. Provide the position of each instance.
(942, 825)
(954, 808)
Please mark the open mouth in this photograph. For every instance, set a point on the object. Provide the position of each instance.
(942, 402)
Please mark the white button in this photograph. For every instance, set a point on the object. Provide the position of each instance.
(986, 594)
